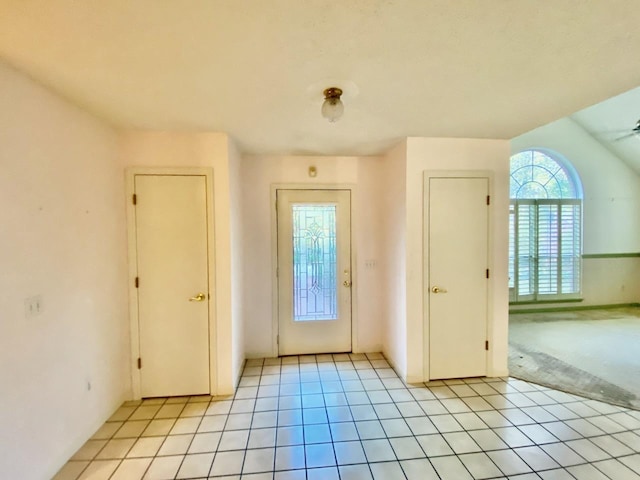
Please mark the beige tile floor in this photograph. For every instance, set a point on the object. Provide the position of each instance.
(349, 417)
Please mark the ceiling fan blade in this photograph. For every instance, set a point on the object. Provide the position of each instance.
(612, 132)
(628, 135)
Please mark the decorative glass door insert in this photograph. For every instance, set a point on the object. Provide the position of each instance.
(314, 262)
(314, 271)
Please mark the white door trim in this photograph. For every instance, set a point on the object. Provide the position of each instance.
(134, 328)
(274, 256)
(428, 174)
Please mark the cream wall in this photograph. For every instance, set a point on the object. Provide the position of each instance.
(259, 174)
(65, 371)
(212, 150)
(610, 281)
(394, 259)
(611, 211)
(237, 260)
(456, 154)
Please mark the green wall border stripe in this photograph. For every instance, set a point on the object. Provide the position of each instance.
(611, 255)
(582, 307)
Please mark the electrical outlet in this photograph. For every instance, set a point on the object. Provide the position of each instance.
(37, 304)
(33, 306)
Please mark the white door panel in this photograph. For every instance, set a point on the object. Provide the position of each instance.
(172, 255)
(314, 271)
(458, 262)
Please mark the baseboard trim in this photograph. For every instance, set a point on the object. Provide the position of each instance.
(498, 373)
(259, 355)
(387, 357)
(543, 302)
(240, 372)
(413, 380)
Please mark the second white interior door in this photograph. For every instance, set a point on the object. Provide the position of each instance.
(314, 271)
(458, 285)
(173, 295)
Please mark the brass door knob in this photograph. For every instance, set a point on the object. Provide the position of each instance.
(438, 290)
(347, 283)
(198, 298)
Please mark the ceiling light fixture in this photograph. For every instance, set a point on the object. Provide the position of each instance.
(332, 108)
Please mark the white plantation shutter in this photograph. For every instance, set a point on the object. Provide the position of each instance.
(571, 246)
(525, 249)
(548, 248)
(545, 249)
(512, 252)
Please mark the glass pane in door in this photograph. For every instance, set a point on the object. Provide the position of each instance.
(314, 262)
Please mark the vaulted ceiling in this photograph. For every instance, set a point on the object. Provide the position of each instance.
(612, 123)
(256, 68)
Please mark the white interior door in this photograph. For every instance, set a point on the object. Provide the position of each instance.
(458, 285)
(314, 271)
(173, 290)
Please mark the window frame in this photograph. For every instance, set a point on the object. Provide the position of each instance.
(562, 259)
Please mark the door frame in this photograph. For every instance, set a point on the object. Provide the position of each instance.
(134, 321)
(274, 256)
(429, 174)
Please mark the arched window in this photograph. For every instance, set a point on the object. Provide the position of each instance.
(545, 228)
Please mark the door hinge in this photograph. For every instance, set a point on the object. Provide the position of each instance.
(135, 199)
(137, 282)
(486, 345)
(277, 272)
(487, 273)
(139, 363)
(488, 199)
(278, 339)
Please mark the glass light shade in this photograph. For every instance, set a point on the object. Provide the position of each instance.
(332, 109)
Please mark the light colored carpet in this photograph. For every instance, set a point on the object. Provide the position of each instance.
(593, 353)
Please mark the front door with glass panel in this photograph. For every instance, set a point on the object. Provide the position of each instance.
(314, 271)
